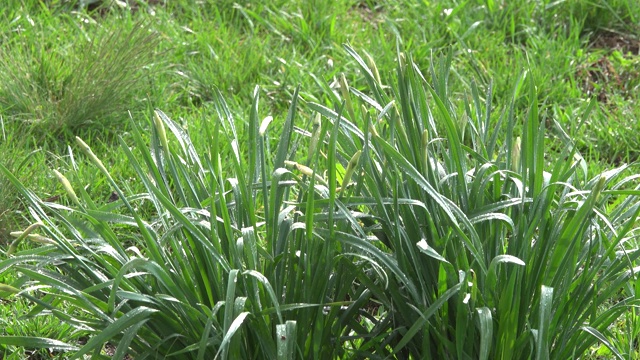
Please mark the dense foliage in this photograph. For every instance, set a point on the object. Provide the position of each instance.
(397, 226)
(450, 185)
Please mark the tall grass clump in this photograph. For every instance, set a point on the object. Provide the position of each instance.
(505, 251)
(84, 80)
(407, 222)
(228, 267)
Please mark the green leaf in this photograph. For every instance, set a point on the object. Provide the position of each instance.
(429, 251)
(425, 316)
(544, 323)
(286, 338)
(31, 342)
(265, 282)
(285, 138)
(598, 335)
(486, 332)
(233, 328)
(493, 268)
(135, 317)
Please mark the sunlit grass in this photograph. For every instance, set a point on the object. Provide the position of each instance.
(196, 54)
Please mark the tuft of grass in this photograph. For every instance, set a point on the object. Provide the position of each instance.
(497, 250)
(85, 81)
(224, 267)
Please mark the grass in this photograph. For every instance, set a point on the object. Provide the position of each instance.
(56, 88)
(202, 64)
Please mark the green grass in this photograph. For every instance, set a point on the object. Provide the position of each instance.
(192, 55)
(84, 79)
(16, 320)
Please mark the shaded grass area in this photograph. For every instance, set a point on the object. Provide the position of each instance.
(71, 72)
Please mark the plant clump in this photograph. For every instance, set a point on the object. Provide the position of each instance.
(87, 83)
(399, 226)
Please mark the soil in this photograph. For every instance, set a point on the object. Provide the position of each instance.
(600, 77)
(611, 40)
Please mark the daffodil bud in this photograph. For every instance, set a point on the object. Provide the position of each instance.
(351, 167)
(14, 245)
(373, 67)
(515, 154)
(315, 134)
(344, 90)
(162, 134)
(67, 187)
(87, 150)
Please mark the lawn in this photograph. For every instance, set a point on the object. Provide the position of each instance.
(319, 179)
